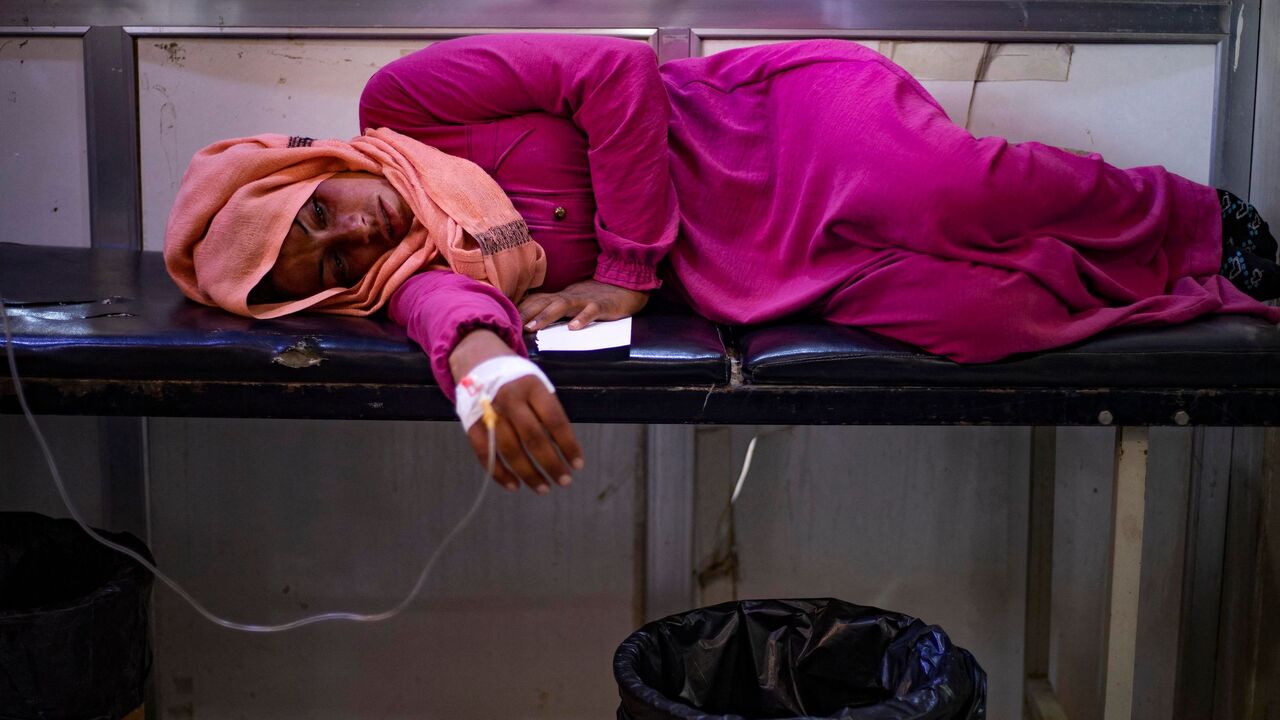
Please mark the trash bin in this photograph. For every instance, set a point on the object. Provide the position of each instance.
(73, 622)
(796, 658)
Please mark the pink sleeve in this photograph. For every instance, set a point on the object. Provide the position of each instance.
(438, 307)
(608, 87)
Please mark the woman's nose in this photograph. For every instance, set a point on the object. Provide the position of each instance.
(354, 227)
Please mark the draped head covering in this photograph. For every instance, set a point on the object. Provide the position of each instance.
(239, 197)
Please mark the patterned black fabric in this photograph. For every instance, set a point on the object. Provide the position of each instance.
(1248, 249)
(1258, 277)
(1243, 228)
(300, 141)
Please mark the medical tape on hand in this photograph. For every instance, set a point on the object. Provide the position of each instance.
(486, 379)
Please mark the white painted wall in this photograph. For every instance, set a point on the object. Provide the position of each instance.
(44, 170)
(193, 92)
(1135, 104)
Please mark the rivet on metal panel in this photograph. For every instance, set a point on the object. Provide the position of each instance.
(1105, 417)
(1181, 417)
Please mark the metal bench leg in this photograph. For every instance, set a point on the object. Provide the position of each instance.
(1129, 491)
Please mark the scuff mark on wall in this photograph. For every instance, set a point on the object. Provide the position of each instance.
(177, 54)
(7, 43)
(168, 127)
(168, 117)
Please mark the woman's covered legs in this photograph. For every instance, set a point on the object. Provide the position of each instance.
(971, 312)
(891, 171)
(989, 248)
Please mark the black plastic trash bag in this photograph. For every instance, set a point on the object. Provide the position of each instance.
(73, 622)
(796, 658)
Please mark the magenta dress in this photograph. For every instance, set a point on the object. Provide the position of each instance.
(814, 178)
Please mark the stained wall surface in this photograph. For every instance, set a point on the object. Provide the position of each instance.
(270, 520)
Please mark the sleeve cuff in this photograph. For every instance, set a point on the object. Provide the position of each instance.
(627, 274)
(440, 357)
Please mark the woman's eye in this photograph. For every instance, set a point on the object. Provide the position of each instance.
(319, 211)
(340, 268)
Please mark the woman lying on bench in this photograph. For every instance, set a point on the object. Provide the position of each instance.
(811, 178)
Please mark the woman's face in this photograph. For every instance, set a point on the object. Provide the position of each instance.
(339, 232)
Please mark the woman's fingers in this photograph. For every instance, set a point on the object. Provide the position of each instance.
(585, 317)
(585, 302)
(533, 304)
(517, 460)
(551, 413)
(531, 426)
(556, 309)
(539, 448)
(512, 465)
(479, 437)
(534, 441)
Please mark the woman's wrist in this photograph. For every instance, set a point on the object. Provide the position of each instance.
(474, 348)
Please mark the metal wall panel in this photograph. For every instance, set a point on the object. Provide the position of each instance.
(926, 521)
(25, 483)
(1237, 89)
(269, 520)
(1175, 17)
(44, 187)
(1083, 497)
(1264, 191)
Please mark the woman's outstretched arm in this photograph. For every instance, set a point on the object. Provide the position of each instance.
(608, 87)
(461, 323)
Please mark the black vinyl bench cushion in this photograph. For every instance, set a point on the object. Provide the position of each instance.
(106, 332)
(80, 313)
(1218, 351)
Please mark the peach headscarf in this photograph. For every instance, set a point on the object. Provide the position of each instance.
(239, 197)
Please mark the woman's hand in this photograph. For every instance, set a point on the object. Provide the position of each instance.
(586, 301)
(532, 432)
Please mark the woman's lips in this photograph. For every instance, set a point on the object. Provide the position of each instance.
(386, 232)
(395, 218)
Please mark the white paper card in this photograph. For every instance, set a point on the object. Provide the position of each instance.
(596, 336)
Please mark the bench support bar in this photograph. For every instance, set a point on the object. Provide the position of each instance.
(1129, 491)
